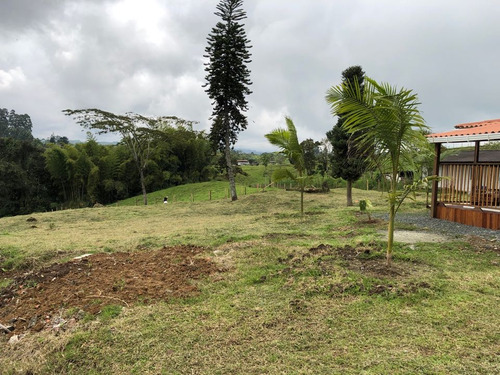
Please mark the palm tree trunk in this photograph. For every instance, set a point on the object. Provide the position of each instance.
(390, 233)
(230, 173)
(392, 212)
(349, 193)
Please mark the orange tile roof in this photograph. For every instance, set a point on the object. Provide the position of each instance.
(471, 129)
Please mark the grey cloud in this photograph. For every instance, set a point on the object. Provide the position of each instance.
(74, 54)
(21, 15)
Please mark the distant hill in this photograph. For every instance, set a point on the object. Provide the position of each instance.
(247, 151)
(77, 141)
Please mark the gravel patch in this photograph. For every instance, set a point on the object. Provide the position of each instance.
(422, 221)
(415, 236)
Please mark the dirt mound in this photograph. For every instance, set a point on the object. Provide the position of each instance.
(34, 300)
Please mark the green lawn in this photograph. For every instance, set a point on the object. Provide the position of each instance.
(255, 179)
(287, 303)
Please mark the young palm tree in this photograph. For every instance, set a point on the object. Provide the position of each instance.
(387, 121)
(287, 141)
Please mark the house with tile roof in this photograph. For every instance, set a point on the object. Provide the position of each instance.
(469, 189)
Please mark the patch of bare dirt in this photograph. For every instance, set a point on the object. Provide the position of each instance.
(482, 245)
(365, 218)
(34, 299)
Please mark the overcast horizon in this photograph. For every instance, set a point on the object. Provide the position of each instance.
(147, 57)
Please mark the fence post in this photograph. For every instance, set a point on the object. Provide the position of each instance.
(136, 201)
(210, 195)
(192, 197)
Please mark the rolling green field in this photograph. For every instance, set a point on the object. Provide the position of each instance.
(299, 295)
(255, 179)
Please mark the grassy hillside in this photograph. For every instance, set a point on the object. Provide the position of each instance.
(257, 176)
(296, 295)
(255, 179)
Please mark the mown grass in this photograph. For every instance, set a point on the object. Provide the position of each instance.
(277, 310)
(203, 191)
(254, 179)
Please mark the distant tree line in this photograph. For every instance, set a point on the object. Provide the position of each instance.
(40, 175)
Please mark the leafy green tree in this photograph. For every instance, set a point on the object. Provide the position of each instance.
(4, 123)
(387, 122)
(117, 174)
(185, 155)
(311, 153)
(60, 140)
(325, 148)
(287, 141)
(228, 80)
(265, 158)
(278, 158)
(134, 129)
(24, 184)
(422, 160)
(348, 161)
(13, 125)
(137, 133)
(57, 165)
(83, 166)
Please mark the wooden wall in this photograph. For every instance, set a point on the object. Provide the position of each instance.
(469, 216)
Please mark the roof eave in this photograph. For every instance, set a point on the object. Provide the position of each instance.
(465, 138)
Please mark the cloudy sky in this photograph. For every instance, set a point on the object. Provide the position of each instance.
(146, 56)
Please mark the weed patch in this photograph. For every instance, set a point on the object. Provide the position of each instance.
(11, 258)
(109, 312)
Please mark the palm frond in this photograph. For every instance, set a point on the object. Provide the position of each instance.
(283, 174)
(287, 141)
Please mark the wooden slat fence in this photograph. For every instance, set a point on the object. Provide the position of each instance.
(472, 184)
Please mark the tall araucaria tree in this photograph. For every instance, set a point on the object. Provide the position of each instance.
(228, 80)
(347, 161)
